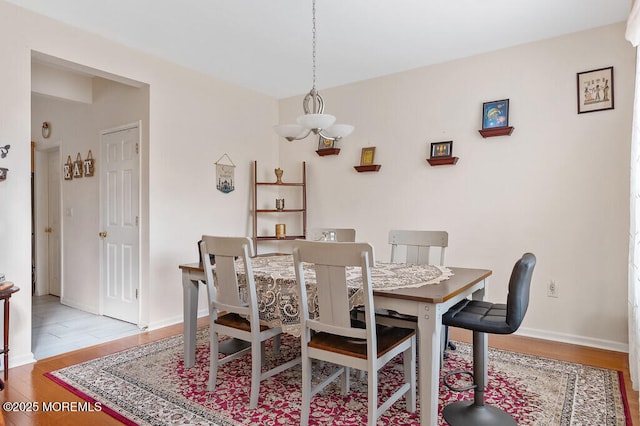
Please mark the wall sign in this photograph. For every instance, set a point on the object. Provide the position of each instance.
(67, 169)
(225, 175)
(88, 165)
(77, 167)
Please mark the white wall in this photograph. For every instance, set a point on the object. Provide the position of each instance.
(193, 120)
(59, 83)
(556, 187)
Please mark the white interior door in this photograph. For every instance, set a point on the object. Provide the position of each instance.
(119, 167)
(53, 230)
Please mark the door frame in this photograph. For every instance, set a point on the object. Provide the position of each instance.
(54, 176)
(138, 125)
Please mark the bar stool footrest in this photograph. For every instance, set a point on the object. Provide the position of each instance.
(446, 377)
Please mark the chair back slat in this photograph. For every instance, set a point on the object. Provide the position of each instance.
(333, 301)
(226, 279)
(417, 255)
(222, 286)
(330, 261)
(417, 246)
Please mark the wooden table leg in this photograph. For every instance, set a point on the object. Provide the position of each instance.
(190, 307)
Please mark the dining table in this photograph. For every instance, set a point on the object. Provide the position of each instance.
(422, 291)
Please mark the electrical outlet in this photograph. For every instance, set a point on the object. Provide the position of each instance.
(552, 289)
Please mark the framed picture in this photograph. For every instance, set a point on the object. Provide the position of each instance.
(441, 149)
(595, 90)
(495, 114)
(325, 143)
(368, 153)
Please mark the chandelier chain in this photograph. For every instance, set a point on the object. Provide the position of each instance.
(314, 119)
(313, 44)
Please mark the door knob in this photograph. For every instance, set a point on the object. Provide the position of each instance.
(48, 229)
(103, 234)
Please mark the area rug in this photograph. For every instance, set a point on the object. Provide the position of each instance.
(148, 385)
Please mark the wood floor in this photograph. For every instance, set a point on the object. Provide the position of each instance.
(27, 383)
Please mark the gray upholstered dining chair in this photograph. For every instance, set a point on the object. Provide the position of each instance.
(347, 235)
(482, 318)
(230, 314)
(335, 337)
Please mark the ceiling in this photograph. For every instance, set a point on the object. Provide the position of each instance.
(265, 45)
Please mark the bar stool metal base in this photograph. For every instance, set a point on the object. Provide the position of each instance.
(466, 413)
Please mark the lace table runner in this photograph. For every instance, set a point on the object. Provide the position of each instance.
(278, 295)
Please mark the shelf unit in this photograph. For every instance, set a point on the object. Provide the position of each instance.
(258, 212)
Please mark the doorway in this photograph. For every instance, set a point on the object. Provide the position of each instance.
(77, 116)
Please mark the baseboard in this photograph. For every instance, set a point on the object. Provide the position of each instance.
(165, 323)
(574, 340)
(175, 320)
(19, 360)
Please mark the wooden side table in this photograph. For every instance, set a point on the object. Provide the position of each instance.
(6, 295)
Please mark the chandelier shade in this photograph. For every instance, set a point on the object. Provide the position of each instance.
(316, 121)
(290, 131)
(338, 131)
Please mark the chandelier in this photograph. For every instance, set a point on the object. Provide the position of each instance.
(314, 119)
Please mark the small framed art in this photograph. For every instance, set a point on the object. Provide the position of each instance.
(325, 143)
(441, 149)
(495, 114)
(368, 153)
(595, 90)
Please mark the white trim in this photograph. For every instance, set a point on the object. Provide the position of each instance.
(21, 360)
(178, 319)
(574, 340)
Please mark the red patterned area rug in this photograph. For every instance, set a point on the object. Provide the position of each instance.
(148, 385)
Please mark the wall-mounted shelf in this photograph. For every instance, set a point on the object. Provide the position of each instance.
(442, 161)
(368, 168)
(328, 151)
(497, 131)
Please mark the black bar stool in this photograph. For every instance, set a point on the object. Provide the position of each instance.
(482, 318)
